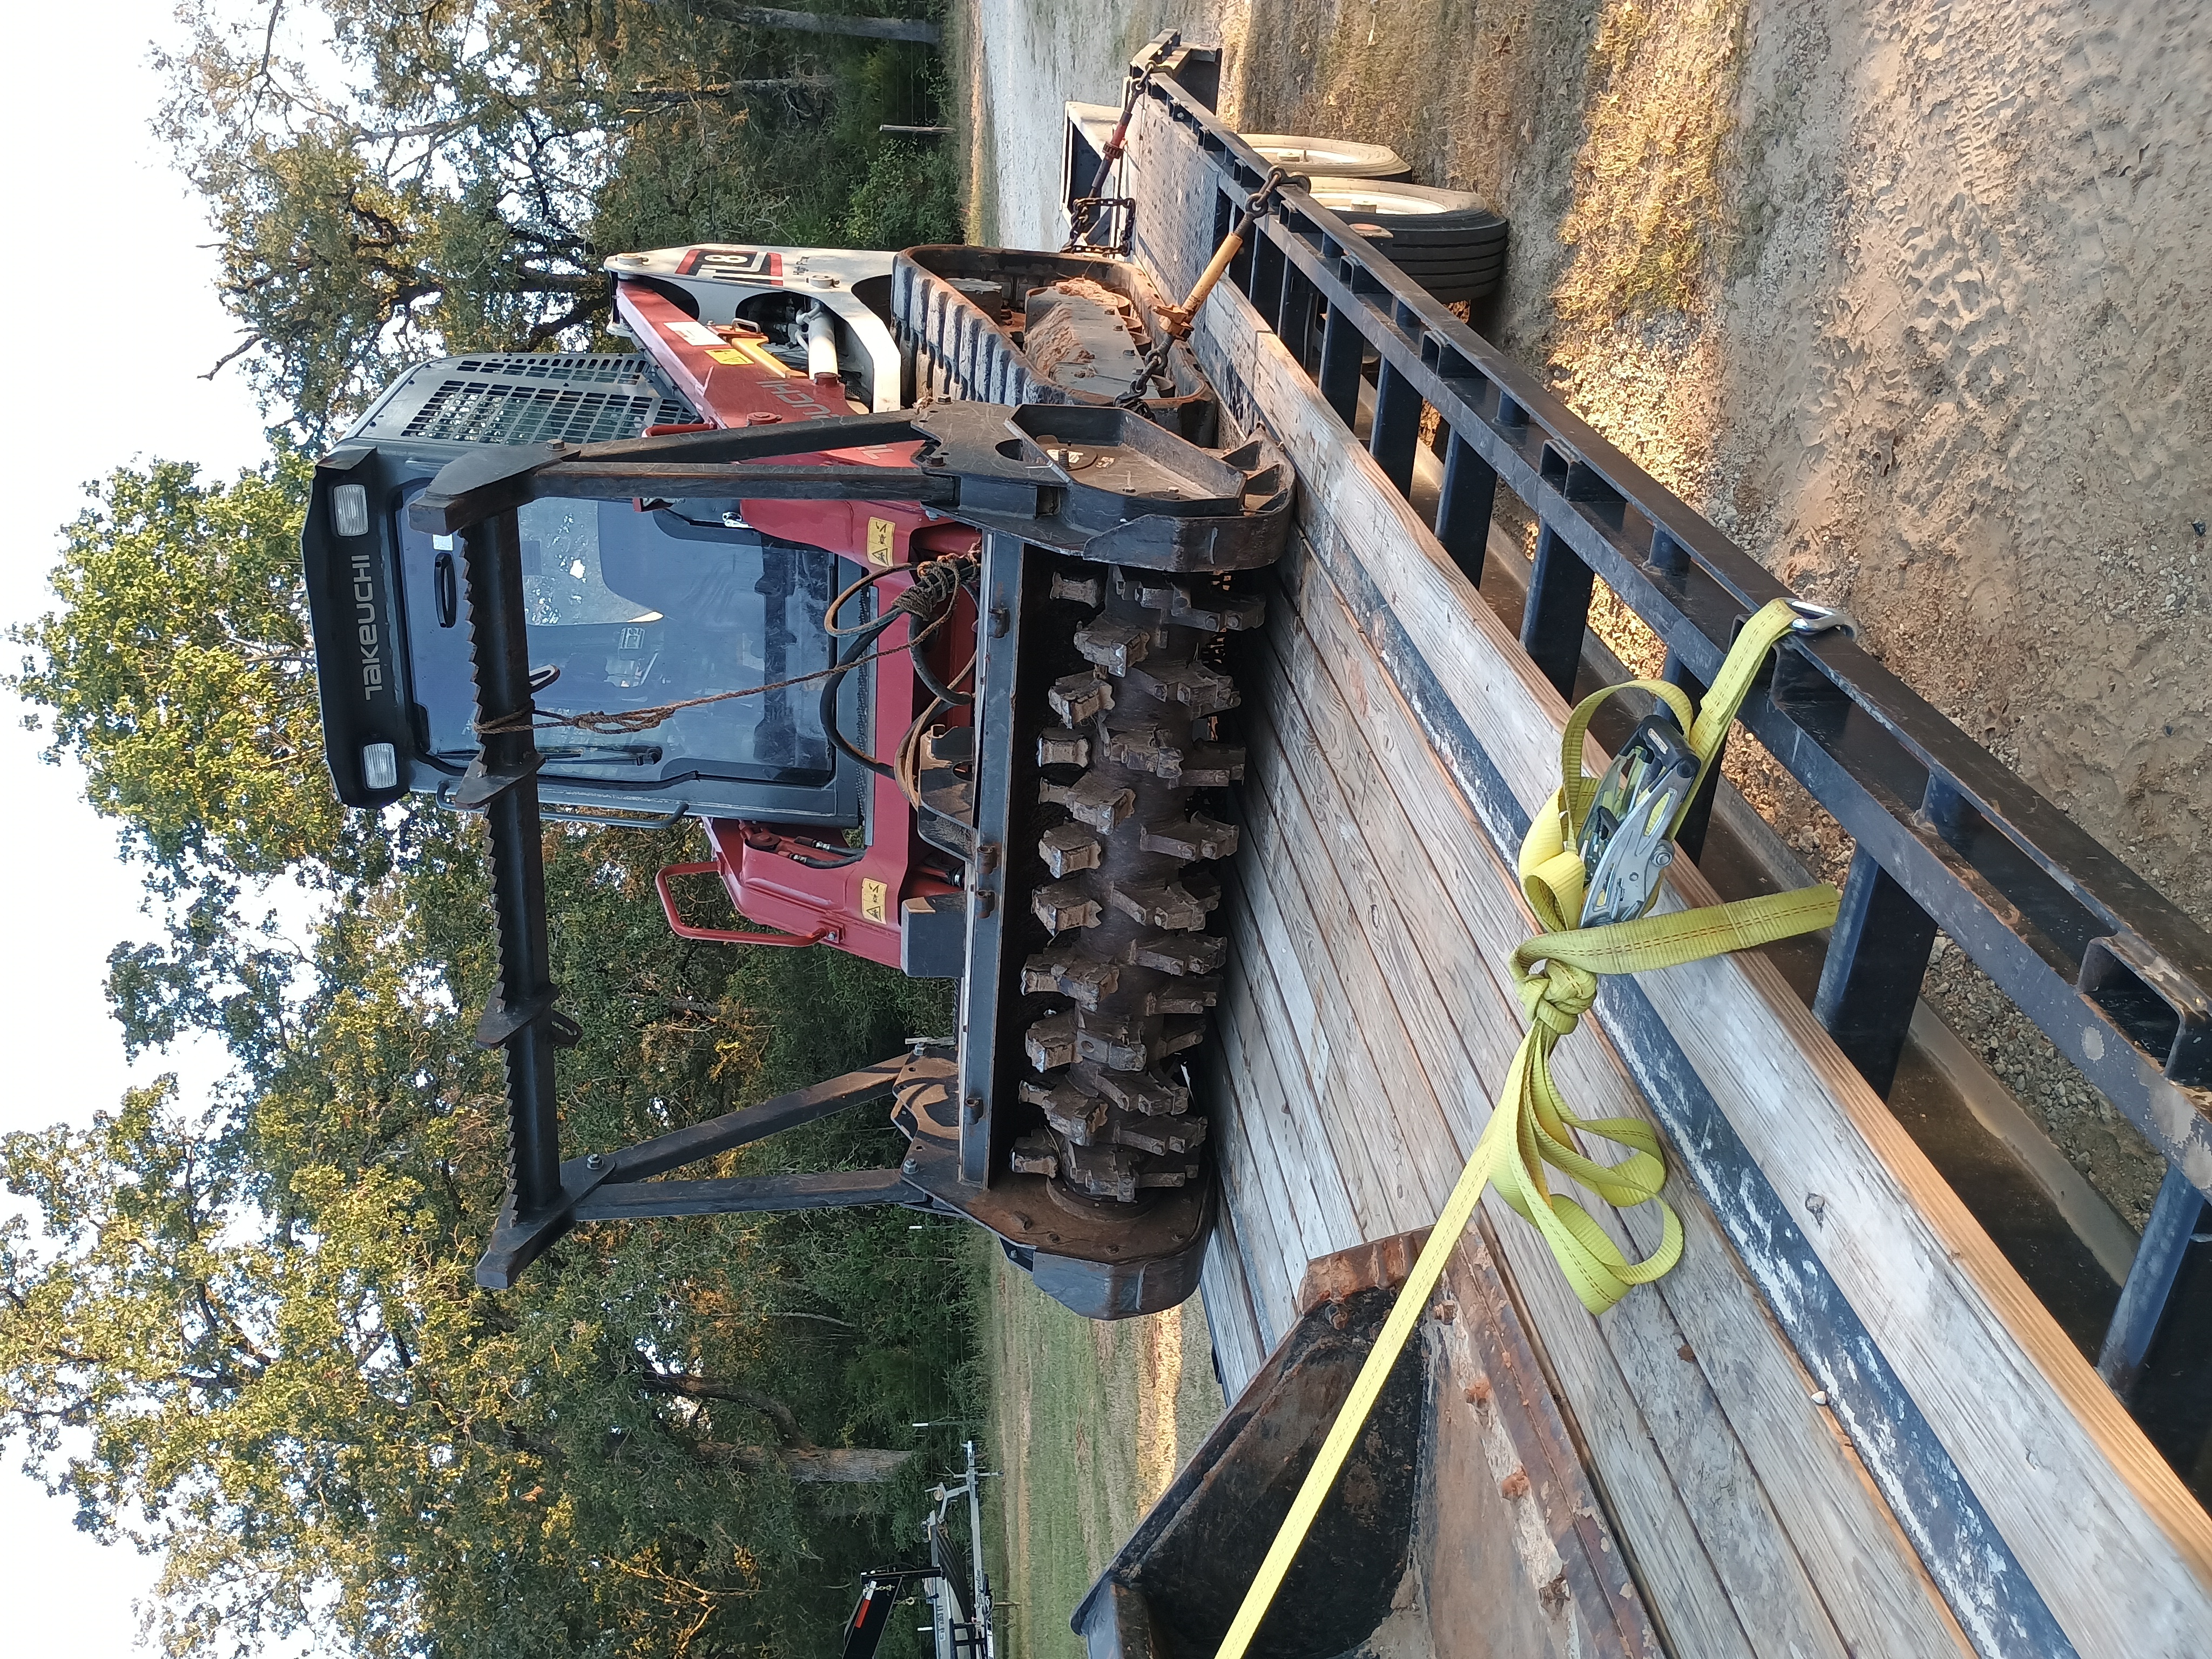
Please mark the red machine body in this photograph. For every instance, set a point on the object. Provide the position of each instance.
(778, 877)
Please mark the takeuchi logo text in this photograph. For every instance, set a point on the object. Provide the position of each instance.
(364, 612)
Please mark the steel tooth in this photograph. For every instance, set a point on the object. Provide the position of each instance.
(1161, 1135)
(1178, 953)
(1100, 1171)
(1142, 747)
(1194, 837)
(1115, 1040)
(1114, 645)
(1201, 690)
(1213, 765)
(1168, 1172)
(1063, 746)
(1034, 1155)
(1065, 970)
(1083, 590)
(1217, 612)
(1185, 996)
(1066, 849)
(1077, 697)
(1154, 592)
(1169, 904)
(1148, 1092)
(1051, 1041)
(1065, 905)
(1214, 610)
(1072, 1110)
(1095, 798)
(1177, 1033)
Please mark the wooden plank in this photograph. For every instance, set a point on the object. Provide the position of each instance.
(1253, 1183)
(1267, 935)
(1316, 1210)
(1767, 1586)
(1739, 1371)
(2022, 1437)
(1495, 1394)
(1231, 1321)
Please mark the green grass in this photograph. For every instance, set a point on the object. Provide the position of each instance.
(1088, 1422)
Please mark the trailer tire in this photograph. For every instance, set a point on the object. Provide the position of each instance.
(1445, 240)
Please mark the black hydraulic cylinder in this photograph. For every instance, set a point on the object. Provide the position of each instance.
(492, 562)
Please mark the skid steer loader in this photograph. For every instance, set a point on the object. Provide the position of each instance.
(903, 576)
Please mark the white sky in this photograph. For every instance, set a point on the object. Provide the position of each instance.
(111, 302)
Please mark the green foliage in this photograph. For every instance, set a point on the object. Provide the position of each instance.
(264, 1316)
(178, 669)
(909, 198)
(461, 189)
(244, 1331)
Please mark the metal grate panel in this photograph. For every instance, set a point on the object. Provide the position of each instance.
(575, 368)
(527, 397)
(493, 412)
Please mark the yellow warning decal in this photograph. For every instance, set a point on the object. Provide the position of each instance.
(874, 899)
(746, 356)
(882, 542)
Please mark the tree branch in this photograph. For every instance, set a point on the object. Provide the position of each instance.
(811, 22)
(706, 1387)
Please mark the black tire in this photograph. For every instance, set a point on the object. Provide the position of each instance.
(1336, 158)
(1481, 231)
(1455, 292)
(1454, 246)
(1128, 907)
(1475, 264)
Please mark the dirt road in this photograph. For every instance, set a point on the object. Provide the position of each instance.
(1910, 298)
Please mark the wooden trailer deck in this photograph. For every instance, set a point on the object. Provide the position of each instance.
(1842, 1425)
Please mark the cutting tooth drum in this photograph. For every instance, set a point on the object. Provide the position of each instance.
(1136, 737)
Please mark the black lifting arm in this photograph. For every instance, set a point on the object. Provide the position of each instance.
(1146, 497)
(544, 1196)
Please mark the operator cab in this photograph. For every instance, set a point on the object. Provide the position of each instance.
(631, 605)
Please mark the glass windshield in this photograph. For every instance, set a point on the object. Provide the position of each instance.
(638, 609)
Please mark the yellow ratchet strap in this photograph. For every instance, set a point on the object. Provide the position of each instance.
(1557, 973)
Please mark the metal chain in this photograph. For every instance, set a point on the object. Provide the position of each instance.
(1175, 321)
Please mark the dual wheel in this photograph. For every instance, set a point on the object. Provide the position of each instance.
(1445, 240)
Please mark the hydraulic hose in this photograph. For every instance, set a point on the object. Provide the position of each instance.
(936, 583)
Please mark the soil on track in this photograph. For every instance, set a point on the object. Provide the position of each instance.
(1908, 298)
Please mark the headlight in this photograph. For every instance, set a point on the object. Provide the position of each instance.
(350, 510)
(379, 765)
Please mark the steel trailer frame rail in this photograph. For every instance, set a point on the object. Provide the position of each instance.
(1947, 838)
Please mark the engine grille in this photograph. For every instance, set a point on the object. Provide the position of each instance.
(523, 397)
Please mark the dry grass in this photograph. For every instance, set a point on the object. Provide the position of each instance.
(1647, 207)
(1632, 348)
(1089, 1423)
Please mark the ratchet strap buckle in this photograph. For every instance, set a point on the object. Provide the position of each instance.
(1628, 834)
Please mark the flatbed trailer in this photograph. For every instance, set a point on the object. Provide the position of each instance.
(1846, 1423)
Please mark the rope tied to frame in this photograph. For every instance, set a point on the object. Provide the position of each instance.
(935, 582)
(1556, 975)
